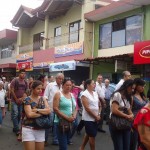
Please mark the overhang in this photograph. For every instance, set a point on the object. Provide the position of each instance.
(8, 65)
(114, 8)
(7, 37)
(111, 59)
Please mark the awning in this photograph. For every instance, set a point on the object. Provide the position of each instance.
(62, 66)
(9, 65)
(111, 59)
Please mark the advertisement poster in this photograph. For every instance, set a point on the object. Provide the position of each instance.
(70, 49)
(24, 61)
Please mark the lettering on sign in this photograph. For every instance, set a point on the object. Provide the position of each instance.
(145, 52)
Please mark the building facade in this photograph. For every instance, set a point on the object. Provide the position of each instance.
(55, 32)
(118, 27)
(8, 52)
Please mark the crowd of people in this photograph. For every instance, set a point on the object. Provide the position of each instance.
(61, 101)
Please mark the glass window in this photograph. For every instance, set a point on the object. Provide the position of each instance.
(133, 29)
(121, 32)
(38, 41)
(57, 35)
(118, 25)
(6, 53)
(74, 32)
(105, 36)
(118, 38)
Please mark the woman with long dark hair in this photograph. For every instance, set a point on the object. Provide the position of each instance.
(138, 102)
(32, 136)
(121, 100)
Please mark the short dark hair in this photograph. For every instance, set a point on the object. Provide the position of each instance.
(42, 76)
(22, 70)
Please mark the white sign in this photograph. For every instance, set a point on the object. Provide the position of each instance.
(62, 66)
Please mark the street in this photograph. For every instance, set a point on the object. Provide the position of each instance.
(8, 140)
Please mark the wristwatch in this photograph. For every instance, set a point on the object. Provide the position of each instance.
(37, 111)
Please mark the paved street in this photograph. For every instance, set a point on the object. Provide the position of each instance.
(8, 139)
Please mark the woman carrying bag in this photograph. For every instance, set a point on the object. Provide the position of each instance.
(35, 107)
(64, 106)
(120, 101)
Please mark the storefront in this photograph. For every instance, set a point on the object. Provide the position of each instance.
(142, 57)
(77, 71)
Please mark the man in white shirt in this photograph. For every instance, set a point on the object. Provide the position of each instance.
(49, 93)
(100, 89)
(126, 75)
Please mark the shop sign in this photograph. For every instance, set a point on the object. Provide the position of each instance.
(41, 65)
(70, 49)
(24, 61)
(62, 66)
(142, 52)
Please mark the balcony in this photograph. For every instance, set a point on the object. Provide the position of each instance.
(6, 53)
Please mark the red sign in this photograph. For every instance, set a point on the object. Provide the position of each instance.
(24, 65)
(142, 52)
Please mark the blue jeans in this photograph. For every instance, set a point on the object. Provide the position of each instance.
(16, 115)
(54, 131)
(62, 138)
(120, 138)
(1, 117)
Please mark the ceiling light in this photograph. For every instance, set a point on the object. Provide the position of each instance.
(115, 0)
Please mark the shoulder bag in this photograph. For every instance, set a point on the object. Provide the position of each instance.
(64, 125)
(44, 121)
(120, 123)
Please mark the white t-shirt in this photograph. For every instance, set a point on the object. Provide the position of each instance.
(119, 84)
(93, 105)
(2, 98)
(51, 89)
(117, 98)
(100, 89)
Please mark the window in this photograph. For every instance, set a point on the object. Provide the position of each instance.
(105, 35)
(38, 41)
(121, 32)
(57, 35)
(133, 29)
(74, 32)
(6, 53)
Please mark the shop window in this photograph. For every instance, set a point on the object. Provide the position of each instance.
(57, 36)
(121, 32)
(74, 29)
(38, 41)
(6, 53)
(133, 29)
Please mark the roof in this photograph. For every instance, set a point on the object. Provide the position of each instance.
(27, 17)
(114, 8)
(7, 36)
(110, 59)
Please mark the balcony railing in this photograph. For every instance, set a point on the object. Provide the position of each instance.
(63, 39)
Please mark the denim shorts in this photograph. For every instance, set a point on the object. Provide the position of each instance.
(91, 128)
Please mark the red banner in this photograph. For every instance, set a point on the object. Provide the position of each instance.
(24, 65)
(142, 52)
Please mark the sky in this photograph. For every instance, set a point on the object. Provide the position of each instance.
(8, 9)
